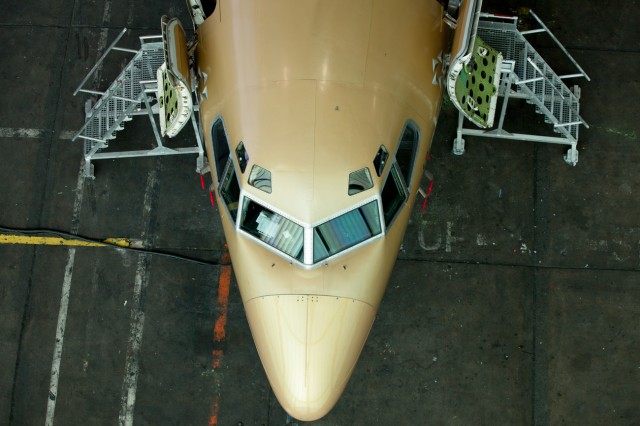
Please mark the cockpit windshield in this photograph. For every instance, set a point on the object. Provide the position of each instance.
(329, 238)
(272, 228)
(346, 231)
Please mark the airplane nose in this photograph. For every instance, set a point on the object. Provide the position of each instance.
(308, 346)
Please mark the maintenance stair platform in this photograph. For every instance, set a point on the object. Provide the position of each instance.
(134, 92)
(492, 58)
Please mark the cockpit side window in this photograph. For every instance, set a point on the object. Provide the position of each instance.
(359, 181)
(220, 147)
(230, 189)
(209, 6)
(380, 160)
(243, 156)
(407, 150)
(393, 195)
(260, 178)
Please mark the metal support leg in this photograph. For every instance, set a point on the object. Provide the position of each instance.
(571, 157)
(505, 101)
(88, 168)
(196, 130)
(154, 126)
(458, 142)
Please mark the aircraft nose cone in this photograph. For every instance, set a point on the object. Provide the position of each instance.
(308, 346)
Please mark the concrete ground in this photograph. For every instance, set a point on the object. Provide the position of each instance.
(515, 299)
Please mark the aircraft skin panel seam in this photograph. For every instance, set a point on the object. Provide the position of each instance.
(366, 62)
(307, 361)
(319, 295)
(314, 142)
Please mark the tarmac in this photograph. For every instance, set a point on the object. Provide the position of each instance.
(514, 301)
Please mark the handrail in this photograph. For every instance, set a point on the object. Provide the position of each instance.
(503, 17)
(561, 46)
(104, 55)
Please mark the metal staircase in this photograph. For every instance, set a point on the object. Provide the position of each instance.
(526, 75)
(130, 94)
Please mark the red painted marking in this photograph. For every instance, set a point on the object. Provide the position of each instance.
(219, 332)
(424, 203)
(202, 181)
(213, 200)
(225, 259)
(223, 300)
(217, 358)
(213, 420)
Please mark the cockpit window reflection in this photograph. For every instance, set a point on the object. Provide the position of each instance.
(380, 160)
(393, 195)
(230, 189)
(243, 157)
(260, 178)
(220, 147)
(360, 181)
(272, 228)
(407, 150)
(346, 231)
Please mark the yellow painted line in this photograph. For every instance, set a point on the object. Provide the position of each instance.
(58, 241)
(120, 242)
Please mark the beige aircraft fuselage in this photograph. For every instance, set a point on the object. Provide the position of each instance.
(312, 89)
